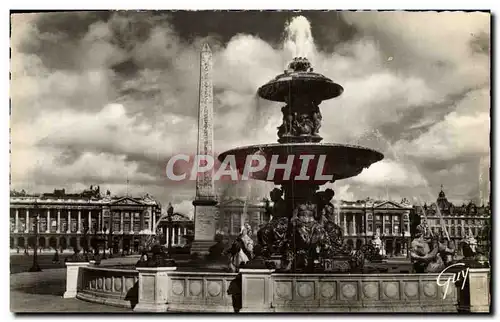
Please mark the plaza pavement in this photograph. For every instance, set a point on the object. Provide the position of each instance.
(41, 292)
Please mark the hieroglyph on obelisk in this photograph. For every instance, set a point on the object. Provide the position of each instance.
(205, 182)
(205, 212)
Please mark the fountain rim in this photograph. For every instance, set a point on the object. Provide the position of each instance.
(298, 77)
(257, 147)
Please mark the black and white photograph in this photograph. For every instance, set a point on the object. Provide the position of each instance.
(250, 161)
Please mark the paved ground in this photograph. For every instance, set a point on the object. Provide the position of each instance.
(42, 291)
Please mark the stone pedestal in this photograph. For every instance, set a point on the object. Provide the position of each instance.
(73, 278)
(154, 283)
(475, 296)
(205, 225)
(256, 290)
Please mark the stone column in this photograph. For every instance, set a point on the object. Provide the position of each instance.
(121, 222)
(383, 224)
(89, 220)
(179, 236)
(256, 290)
(354, 224)
(167, 234)
(58, 230)
(345, 224)
(27, 224)
(48, 221)
(154, 221)
(154, 283)
(150, 221)
(68, 228)
(79, 223)
(74, 275)
(132, 214)
(16, 225)
(100, 219)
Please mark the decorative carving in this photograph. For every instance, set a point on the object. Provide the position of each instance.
(204, 181)
(272, 236)
(214, 288)
(391, 290)
(327, 290)
(195, 288)
(178, 287)
(349, 290)
(300, 64)
(430, 289)
(411, 289)
(284, 290)
(370, 290)
(305, 290)
(430, 255)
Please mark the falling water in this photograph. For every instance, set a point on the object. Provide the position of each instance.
(398, 158)
(298, 39)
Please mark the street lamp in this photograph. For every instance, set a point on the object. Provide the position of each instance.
(170, 213)
(35, 267)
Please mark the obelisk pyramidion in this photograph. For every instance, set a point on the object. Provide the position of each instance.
(205, 212)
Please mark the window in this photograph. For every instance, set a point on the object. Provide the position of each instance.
(235, 223)
(137, 222)
(12, 224)
(116, 221)
(126, 222)
(43, 224)
(370, 217)
(377, 217)
(64, 224)
(370, 227)
(22, 224)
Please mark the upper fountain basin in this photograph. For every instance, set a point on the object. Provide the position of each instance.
(313, 85)
(340, 160)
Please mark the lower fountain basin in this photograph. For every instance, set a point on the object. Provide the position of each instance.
(341, 161)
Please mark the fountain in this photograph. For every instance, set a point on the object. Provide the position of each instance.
(303, 230)
(300, 260)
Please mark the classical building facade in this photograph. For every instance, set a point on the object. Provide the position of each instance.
(459, 221)
(180, 227)
(69, 220)
(234, 213)
(361, 220)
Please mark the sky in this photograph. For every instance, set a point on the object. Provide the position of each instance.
(106, 98)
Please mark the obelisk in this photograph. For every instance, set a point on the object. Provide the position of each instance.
(205, 210)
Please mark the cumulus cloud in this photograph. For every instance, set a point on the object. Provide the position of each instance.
(93, 91)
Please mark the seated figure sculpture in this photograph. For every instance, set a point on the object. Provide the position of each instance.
(272, 235)
(308, 236)
(428, 252)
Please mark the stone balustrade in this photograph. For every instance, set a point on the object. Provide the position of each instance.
(200, 291)
(362, 293)
(160, 289)
(117, 287)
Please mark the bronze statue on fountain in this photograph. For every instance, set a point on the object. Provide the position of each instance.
(302, 234)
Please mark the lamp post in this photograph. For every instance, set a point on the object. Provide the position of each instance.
(35, 267)
(170, 213)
